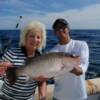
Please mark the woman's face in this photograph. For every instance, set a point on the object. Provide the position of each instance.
(33, 39)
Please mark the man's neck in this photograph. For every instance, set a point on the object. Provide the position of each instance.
(64, 41)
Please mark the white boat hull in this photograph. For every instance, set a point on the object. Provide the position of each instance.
(94, 95)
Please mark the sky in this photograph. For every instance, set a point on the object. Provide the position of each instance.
(81, 14)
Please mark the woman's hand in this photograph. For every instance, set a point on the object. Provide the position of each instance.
(5, 64)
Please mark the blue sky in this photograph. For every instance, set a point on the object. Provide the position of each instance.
(81, 14)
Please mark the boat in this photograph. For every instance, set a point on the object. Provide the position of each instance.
(92, 85)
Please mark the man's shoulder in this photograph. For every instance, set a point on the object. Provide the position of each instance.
(80, 42)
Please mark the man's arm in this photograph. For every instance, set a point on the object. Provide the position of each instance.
(84, 57)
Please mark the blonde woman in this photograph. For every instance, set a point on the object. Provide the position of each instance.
(32, 41)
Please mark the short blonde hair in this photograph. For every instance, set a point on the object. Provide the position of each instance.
(34, 25)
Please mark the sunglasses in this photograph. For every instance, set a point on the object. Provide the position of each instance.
(61, 28)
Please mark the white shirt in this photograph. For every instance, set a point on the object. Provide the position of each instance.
(69, 86)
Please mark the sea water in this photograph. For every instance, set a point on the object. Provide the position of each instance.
(10, 38)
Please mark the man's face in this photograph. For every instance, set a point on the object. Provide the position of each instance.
(61, 31)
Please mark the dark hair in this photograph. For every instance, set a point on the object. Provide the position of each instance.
(11, 74)
(60, 21)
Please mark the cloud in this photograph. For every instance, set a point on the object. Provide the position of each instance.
(7, 22)
(88, 17)
(57, 5)
(84, 18)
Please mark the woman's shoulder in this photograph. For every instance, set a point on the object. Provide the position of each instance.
(13, 49)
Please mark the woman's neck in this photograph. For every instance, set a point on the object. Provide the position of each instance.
(31, 53)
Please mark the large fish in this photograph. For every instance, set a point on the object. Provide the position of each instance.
(48, 65)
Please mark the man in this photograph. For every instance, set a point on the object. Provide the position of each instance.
(70, 86)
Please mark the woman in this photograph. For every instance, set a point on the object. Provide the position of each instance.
(32, 41)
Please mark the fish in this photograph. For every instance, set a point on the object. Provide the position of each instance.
(48, 65)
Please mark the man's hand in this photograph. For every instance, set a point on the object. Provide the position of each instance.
(77, 71)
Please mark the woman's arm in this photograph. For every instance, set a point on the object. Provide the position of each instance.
(42, 90)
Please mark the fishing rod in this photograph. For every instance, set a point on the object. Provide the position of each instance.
(17, 25)
(10, 38)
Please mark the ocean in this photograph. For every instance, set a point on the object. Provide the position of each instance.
(9, 38)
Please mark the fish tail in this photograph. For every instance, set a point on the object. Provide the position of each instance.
(11, 74)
